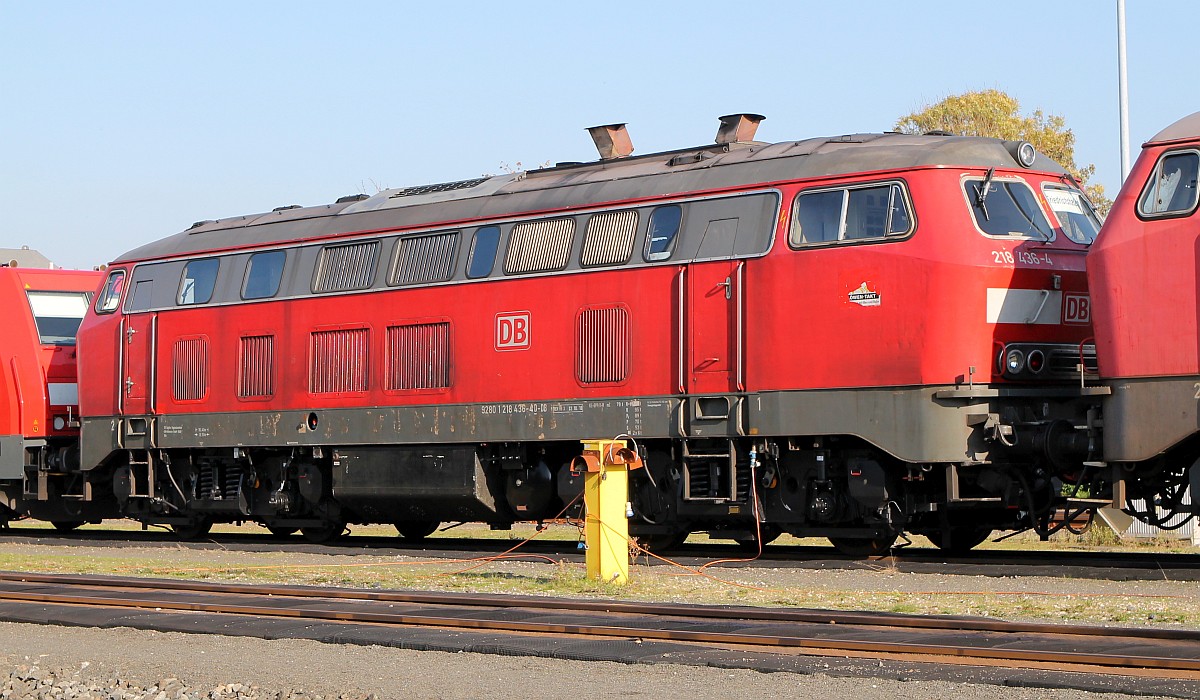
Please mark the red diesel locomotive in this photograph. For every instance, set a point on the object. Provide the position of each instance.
(39, 397)
(1145, 282)
(843, 337)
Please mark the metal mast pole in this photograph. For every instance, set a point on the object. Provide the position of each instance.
(1123, 89)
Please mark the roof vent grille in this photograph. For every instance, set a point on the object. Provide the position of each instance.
(440, 187)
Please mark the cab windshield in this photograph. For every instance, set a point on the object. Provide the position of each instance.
(58, 315)
(1074, 213)
(1007, 208)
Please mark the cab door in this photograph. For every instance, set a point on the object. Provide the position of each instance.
(714, 336)
(139, 343)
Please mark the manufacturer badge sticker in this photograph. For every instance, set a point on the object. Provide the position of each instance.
(864, 296)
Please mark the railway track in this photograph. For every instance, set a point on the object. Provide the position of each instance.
(959, 641)
(1117, 566)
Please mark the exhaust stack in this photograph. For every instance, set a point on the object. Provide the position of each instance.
(736, 128)
(612, 141)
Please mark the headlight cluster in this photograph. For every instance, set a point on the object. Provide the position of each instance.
(1044, 361)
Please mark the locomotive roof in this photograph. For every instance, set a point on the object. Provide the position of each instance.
(565, 186)
(1186, 128)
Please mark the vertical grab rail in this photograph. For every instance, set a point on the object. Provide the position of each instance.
(122, 342)
(681, 302)
(16, 375)
(152, 380)
(741, 324)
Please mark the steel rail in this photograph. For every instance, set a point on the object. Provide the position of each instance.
(1183, 667)
(719, 612)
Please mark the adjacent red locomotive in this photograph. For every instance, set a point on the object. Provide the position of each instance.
(844, 337)
(39, 404)
(1144, 277)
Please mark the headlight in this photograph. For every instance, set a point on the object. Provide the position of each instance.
(60, 422)
(1014, 361)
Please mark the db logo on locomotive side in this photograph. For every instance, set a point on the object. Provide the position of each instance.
(512, 330)
(1077, 308)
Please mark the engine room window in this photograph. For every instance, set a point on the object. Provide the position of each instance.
(424, 258)
(1171, 188)
(57, 315)
(539, 246)
(851, 214)
(1074, 213)
(110, 296)
(346, 267)
(199, 281)
(263, 274)
(483, 252)
(609, 238)
(661, 233)
(1006, 208)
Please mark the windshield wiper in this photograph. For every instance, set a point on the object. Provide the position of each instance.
(982, 193)
(1033, 225)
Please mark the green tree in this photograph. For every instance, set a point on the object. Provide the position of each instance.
(996, 114)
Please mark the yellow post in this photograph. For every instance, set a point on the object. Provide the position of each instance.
(605, 494)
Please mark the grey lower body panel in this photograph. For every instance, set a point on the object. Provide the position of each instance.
(12, 456)
(1147, 417)
(914, 424)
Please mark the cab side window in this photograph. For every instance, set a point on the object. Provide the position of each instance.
(869, 212)
(110, 296)
(1171, 188)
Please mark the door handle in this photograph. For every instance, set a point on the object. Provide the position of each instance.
(728, 285)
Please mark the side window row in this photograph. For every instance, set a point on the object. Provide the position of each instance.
(534, 246)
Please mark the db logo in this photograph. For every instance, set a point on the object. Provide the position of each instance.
(512, 331)
(1077, 308)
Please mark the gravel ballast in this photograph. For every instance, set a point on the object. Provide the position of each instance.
(61, 663)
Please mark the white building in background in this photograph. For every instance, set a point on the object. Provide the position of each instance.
(24, 257)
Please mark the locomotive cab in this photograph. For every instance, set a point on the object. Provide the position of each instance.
(39, 396)
(1145, 273)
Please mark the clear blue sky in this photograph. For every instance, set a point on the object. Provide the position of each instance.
(123, 122)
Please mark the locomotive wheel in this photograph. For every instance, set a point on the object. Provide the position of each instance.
(417, 530)
(962, 539)
(770, 533)
(323, 533)
(863, 546)
(66, 525)
(193, 529)
(281, 532)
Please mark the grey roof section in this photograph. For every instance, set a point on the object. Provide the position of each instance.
(658, 174)
(24, 257)
(1186, 128)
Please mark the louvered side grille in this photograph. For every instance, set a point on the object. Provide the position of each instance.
(602, 339)
(190, 369)
(346, 267)
(424, 258)
(609, 238)
(418, 356)
(256, 367)
(339, 361)
(539, 246)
